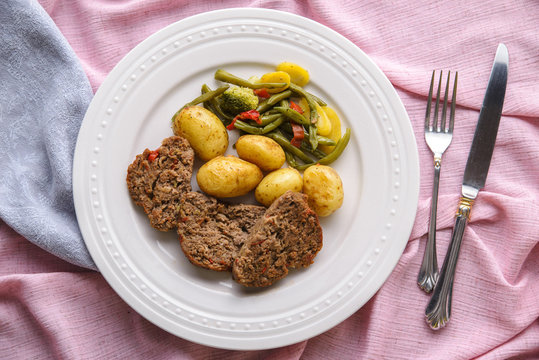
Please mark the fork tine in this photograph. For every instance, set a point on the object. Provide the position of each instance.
(444, 107)
(453, 103)
(427, 115)
(437, 106)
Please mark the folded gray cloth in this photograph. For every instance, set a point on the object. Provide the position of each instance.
(44, 94)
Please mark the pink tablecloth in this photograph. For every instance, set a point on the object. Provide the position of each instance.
(51, 309)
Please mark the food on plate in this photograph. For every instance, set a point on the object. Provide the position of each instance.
(157, 179)
(211, 232)
(323, 125)
(288, 236)
(275, 109)
(238, 99)
(298, 75)
(285, 111)
(335, 133)
(276, 77)
(280, 122)
(228, 176)
(276, 183)
(323, 185)
(261, 151)
(205, 96)
(204, 131)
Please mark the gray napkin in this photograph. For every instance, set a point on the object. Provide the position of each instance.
(44, 94)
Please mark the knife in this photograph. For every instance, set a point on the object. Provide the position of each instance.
(438, 310)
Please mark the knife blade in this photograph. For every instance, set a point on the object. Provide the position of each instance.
(438, 310)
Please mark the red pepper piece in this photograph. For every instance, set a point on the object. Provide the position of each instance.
(251, 115)
(296, 107)
(231, 125)
(298, 134)
(246, 115)
(153, 155)
(262, 93)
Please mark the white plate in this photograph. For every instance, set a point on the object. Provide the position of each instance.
(363, 240)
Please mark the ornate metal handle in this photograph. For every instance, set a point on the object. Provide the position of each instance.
(428, 272)
(438, 310)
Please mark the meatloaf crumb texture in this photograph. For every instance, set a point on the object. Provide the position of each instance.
(156, 180)
(287, 236)
(212, 232)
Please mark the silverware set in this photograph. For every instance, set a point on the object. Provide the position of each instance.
(438, 135)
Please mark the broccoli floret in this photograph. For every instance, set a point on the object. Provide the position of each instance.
(238, 99)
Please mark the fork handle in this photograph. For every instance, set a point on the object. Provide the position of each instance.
(438, 310)
(428, 272)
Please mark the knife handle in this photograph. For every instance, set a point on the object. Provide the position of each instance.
(438, 310)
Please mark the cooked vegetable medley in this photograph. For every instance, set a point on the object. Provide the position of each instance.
(277, 106)
(279, 121)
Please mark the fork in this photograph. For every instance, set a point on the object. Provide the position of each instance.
(438, 138)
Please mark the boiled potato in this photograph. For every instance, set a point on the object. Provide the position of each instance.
(204, 131)
(335, 133)
(277, 183)
(276, 77)
(323, 185)
(228, 176)
(298, 75)
(261, 151)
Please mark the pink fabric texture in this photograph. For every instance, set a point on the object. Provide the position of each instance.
(51, 309)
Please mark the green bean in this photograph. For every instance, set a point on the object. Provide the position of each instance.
(275, 98)
(322, 140)
(263, 106)
(268, 118)
(285, 144)
(216, 108)
(206, 96)
(327, 159)
(258, 130)
(317, 153)
(313, 139)
(227, 77)
(268, 103)
(304, 166)
(310, 101)
(291, 160)
(317, 99)
(292, 115)
(337, 151)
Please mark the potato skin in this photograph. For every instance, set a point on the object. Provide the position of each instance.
(228, 176)
(276, 183)
(260, 150)
(204, 131)
(323, 185)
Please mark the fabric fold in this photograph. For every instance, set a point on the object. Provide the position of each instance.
(44, 94)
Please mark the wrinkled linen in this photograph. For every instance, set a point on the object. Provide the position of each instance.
(44, 94)
(52, 309)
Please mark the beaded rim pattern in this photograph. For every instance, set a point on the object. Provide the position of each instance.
(226, 27)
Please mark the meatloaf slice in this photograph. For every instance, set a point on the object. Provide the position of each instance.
(289, 235)
(157, 179)
(212, 232)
